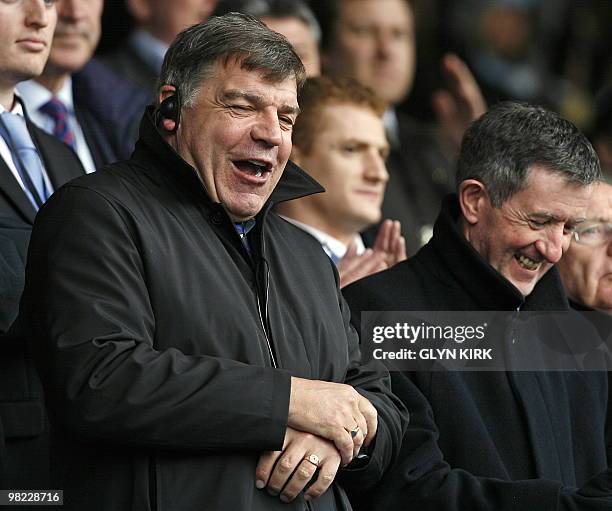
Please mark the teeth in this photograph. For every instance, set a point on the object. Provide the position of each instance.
(257, 169)
(526, 262)
(259, 166)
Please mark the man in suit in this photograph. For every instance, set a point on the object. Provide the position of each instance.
(157, 24)
(480, 440)
(26, 179)
(79, 99)
(339, 139)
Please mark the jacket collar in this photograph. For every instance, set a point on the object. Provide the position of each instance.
(163, 163)
(489, 289)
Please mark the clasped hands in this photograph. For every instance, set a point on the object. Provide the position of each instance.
(331, 421)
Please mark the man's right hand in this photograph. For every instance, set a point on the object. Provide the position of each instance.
(332, 411)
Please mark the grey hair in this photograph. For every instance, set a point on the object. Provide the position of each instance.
(274, 9)
(500, 148)
(221, 39)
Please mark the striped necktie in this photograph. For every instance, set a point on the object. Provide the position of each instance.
(55, 109)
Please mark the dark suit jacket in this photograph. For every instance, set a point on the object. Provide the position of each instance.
(420, 175)
(109, 110)
(11, 281)
(23, 425)
(480, 441)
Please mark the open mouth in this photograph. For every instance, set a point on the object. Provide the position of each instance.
(254, 167)
(526, 262)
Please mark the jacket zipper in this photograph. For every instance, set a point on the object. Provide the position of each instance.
(262, 315)
(263, 326)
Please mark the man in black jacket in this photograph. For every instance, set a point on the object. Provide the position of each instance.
(499, 440)
(195, 347)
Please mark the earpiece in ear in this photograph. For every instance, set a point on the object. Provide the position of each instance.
(170, 109)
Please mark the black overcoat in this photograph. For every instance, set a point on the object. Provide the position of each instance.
(487, 440)
(148, 315)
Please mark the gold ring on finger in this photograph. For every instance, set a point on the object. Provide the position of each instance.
(313, 458)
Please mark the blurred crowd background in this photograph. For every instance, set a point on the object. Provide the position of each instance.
(437, 64)
(554, 52)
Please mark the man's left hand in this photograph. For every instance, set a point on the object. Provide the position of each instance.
(289, 471)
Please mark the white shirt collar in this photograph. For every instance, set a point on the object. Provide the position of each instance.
(391, 126)
(36, 95)
(331, 245)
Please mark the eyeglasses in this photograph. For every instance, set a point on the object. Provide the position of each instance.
(593, 234)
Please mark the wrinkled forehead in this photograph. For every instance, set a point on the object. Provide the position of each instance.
(226, 84)
(237, 64)
(552, 192)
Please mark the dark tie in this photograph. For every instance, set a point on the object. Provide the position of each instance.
(243, 228)
(25, 156)
(55, 109)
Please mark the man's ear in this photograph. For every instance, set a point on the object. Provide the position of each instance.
(166, 91)
(473, 200)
